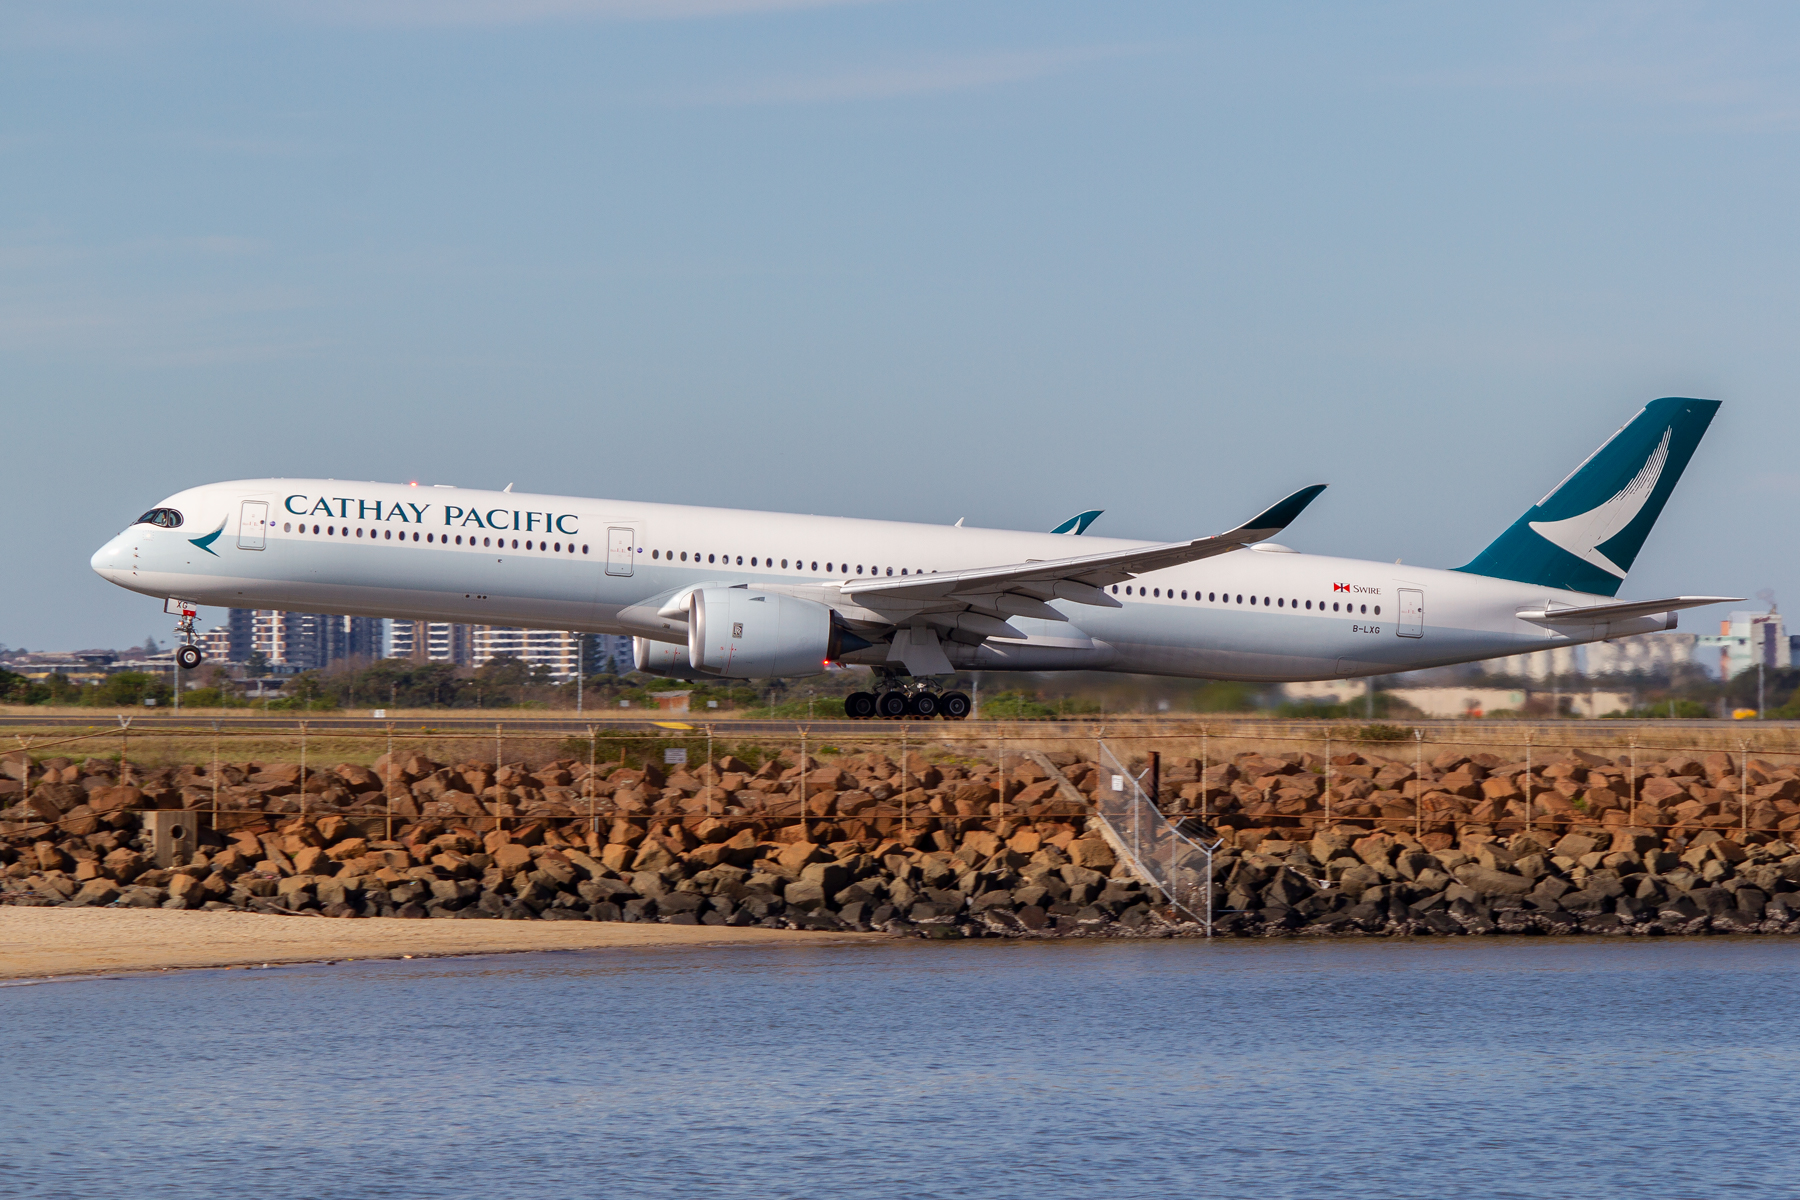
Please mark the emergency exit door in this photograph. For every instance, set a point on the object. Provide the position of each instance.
(253, 524)
(1412, 613)
(621, 547)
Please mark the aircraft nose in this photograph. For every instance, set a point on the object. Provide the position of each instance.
(110, 560)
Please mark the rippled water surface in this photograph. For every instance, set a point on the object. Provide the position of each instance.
(1482, 1069)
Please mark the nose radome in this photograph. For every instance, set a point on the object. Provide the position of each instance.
(106, 559)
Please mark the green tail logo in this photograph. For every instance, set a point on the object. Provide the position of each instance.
(1587, 532)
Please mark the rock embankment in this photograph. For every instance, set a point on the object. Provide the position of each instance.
(937, 846)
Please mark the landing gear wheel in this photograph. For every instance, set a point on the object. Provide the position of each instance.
(189, 657)
(859, 706)
(923, 704)
(891, 705)
(954, 706)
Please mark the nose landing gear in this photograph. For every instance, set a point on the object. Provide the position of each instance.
(188, 655)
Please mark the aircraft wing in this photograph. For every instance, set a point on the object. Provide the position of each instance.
(1592, 614)
(1078, 578)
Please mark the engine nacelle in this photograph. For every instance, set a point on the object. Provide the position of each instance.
(667, 660)
(740, 634)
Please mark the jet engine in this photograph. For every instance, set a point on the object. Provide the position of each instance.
(740, 634)
(663, 659)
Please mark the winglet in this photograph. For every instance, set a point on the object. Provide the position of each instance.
(1282, 514)
(1077, 524)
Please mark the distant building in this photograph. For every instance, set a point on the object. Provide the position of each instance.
(614, 648)
(431, 641)
(215, 643)
(1538, 666)
(77, 666)
(1744, 640)
(1658, 654)
(292, 642)
(554, 649)
(1460, 701)
(1325, 691)
(1646, 654)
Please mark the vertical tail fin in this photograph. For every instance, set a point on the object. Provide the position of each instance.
(1587, 532)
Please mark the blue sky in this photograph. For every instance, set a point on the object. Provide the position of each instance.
(1001, 261)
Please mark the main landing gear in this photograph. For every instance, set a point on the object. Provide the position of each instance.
(892, 700)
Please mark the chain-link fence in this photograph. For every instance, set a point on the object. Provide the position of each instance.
(1178, 866)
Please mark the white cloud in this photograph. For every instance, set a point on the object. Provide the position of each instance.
(945, 73)
(435, 13)
(43, 27)
(1725, 66)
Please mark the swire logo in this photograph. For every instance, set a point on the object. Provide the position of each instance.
(1340, 587)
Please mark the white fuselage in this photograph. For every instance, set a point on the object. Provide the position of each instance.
(608, 566)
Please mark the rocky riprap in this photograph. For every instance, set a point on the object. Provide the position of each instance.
(939, 847)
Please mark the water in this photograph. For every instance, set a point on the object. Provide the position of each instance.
(1492, 1068)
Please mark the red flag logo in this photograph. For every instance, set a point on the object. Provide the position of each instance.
(1340, 587)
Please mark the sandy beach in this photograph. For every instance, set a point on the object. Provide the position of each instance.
(42, 942)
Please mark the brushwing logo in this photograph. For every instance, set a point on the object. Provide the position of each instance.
(205, 543)
(1583, 535)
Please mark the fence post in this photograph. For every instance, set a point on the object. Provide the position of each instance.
(1418, 792)
(1743, 792)
(1529, 799)
(1203, 760)
(1631, 793)
(388, 790)
(593, 762)
(303, 770)
(499, 792)
(1327, 824)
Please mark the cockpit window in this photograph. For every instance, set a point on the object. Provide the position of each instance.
(167, 518)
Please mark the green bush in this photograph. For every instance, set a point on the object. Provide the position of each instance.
(128, 688)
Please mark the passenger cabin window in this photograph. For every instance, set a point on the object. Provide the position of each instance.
(162, 518)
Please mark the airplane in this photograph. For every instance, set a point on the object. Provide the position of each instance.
(715, 593)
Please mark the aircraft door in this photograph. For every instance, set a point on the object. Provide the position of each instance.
(621, 547)
(253, 524)
(1412, 613)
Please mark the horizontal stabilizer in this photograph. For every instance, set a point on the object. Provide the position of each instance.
(1593, 614)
